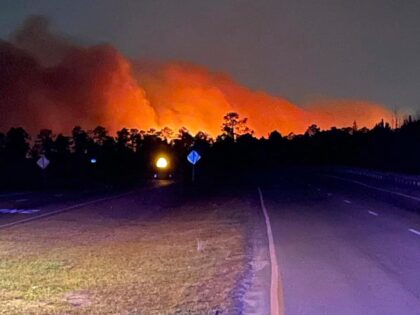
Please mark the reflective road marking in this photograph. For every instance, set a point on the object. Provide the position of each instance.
(274, 292)
(414, 231)
(18, 211)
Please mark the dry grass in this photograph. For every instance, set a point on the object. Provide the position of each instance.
(186, 262)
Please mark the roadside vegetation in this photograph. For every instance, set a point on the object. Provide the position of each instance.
(87, 262)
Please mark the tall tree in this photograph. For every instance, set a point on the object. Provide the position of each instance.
(166, 134)
(100, 135)
(62, 145)
(312, 130)
(185, 139)
(17, 143)
(123, 138)
(44, 143)
(234, 126)
(2, 142)
(81, 141)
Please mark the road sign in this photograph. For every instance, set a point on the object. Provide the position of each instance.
(43, 162)
(193, 157)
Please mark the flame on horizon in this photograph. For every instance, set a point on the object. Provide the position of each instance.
(47, 81)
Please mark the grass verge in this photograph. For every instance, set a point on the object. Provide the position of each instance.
(187, 261)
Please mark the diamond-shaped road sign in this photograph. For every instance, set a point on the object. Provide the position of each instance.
(43, 162)
(193, 157)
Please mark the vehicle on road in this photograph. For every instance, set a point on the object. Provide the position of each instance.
(162, 168)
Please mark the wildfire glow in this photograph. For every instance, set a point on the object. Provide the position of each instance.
(67, 85)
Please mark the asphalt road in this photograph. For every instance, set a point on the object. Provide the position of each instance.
(341, 250)
(19, 207)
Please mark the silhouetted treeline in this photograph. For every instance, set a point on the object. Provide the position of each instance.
(92, 157)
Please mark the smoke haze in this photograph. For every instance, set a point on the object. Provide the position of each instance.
(48, 81)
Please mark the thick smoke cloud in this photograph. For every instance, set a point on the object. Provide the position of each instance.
(35, 37)
(48, 81)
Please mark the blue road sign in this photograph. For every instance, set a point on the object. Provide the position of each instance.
(193, 157)
(43, 162)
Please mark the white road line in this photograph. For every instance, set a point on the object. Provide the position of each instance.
(347, 201)
(274, 291)
(373, 213)
(18, 211)
(376, 188)
(414, 231)
(51, 213)
(30, 211)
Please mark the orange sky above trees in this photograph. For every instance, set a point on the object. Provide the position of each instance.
(66, 85)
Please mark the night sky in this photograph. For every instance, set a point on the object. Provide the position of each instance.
(298, 49)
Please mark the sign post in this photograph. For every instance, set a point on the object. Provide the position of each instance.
(43, 162)
(193, 158)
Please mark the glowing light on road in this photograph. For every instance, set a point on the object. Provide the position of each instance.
(161, 163)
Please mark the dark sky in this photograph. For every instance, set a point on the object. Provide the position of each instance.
(368, 49)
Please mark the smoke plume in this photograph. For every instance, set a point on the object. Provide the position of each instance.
(47, 81)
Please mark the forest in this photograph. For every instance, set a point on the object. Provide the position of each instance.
(95, 157)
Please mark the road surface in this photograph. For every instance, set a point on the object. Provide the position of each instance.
(339, 248)
(342, 251)
(19, 207)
